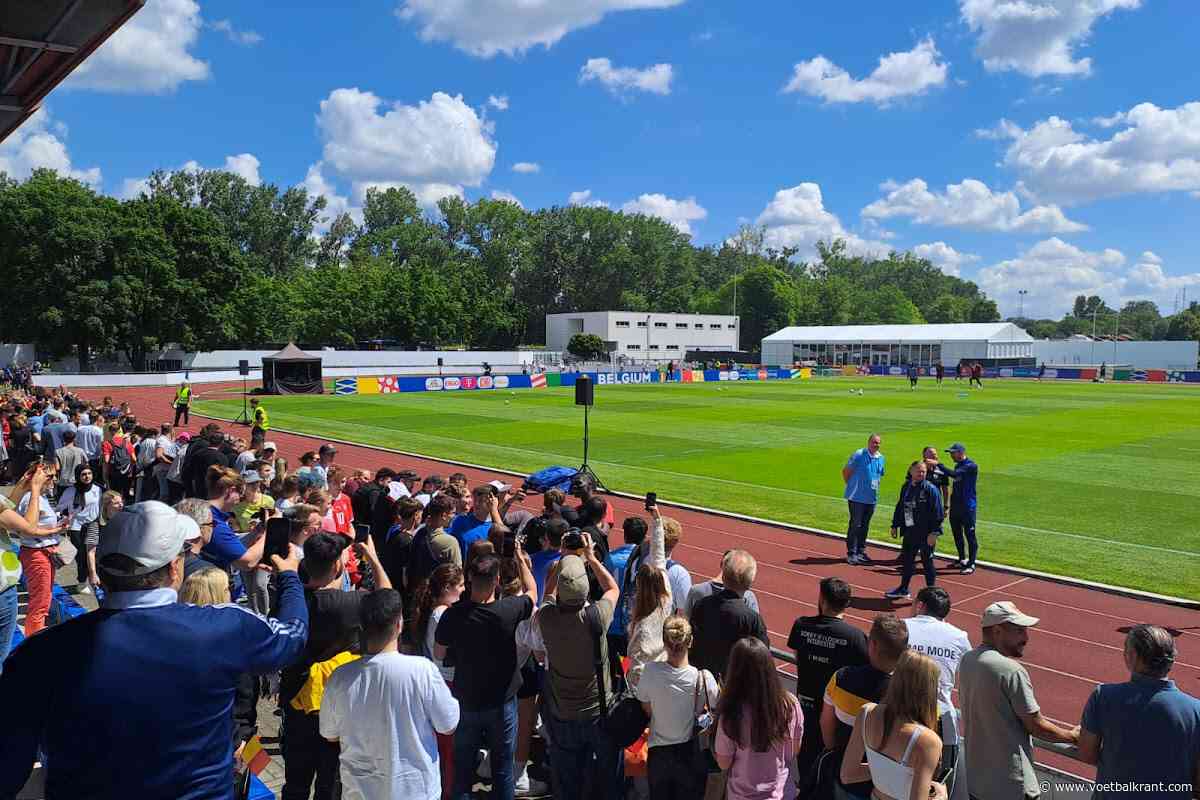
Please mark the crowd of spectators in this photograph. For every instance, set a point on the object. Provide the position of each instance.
(420, 636)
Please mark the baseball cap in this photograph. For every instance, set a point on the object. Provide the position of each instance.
(327, 448)
(500, 486)
(269, 446)
(1006, 611)
(150, 533)
(251, 476)
(572, 581)
(957, 447)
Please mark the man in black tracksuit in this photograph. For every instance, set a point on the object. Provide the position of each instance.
(918, 516)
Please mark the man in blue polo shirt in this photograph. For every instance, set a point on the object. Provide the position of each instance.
(862, 474)
(963, 502)
(1145, 731)
(481, 520)
(148, 711)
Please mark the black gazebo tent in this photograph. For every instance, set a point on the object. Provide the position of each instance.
(292, 371)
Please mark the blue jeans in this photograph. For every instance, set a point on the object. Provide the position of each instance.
(581, 753)
(860, 523)
(8, 621)
(495, 729)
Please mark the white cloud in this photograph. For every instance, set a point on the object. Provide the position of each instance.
(508, 197)
(237, 37)
(41, 143)
(797, 217)
(584, 198)
(244, 164)
(945, 257)
(511, 26)
(1054, 272)
(150, 53)
(316, 184)
(526, 167)
(970, 204)
(435, 148)
(680, 213)
(1153, 150)
(499, 103)
(655, 79)
(898, 75)
(1036, 37)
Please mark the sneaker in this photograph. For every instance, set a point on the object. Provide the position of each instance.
(898, 594)
(967, 570)
(863, 558)
(853, 560)
(958, 563)
(484, 770)
(526, 786)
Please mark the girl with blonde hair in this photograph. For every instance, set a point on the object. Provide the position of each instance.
(652, 603)
(207, 587)
(898, 736)
(674, 693)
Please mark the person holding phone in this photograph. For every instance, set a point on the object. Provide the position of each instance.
(39, 552)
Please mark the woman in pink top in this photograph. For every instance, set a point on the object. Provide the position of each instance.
(760, 729)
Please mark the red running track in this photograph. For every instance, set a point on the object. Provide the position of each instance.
(1077, 645)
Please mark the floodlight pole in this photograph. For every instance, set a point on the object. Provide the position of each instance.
(1094, 310)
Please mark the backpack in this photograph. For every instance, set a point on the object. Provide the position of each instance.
(550, 478)
(120, 460)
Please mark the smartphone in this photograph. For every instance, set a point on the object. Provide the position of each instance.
(651, 500)
(279, 530)
(362, 532)
(508, 548)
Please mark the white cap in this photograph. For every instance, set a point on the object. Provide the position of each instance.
(1006, 611)
(251, 476)
(151, 533)
(500, 486)
(269, 446)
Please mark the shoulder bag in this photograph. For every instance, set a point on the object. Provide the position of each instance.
(626, 720)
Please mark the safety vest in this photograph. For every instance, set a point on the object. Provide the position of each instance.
(183, 395)
(260, 419)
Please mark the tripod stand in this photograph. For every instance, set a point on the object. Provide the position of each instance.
(584, 469)
(244, 417)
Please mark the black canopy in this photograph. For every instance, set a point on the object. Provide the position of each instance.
(292, 371)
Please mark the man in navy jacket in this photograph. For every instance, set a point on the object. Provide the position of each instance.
(135, 699)
(918, 516)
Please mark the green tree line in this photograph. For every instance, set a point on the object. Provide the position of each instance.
(205, 260)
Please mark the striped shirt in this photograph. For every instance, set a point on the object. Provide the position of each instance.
(848, 691)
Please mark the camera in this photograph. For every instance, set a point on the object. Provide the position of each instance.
(573, 540)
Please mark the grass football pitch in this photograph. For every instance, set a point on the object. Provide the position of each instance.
(1094, 481)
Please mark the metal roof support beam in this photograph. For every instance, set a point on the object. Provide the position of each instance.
(36, 45)
(9, 102)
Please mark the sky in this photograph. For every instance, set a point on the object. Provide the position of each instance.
(1044, 146)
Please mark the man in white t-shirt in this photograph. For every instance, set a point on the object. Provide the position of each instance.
(383, 710)
(931, 635)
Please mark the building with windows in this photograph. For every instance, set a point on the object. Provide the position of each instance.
(643, 336)
(992, 343)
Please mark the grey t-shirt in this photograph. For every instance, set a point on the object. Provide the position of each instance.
(570, 688)
(995, 692)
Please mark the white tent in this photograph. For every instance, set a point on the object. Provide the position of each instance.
(890, 345)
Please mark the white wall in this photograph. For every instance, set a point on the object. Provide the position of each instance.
(1144, 355)
(13, 353)
(669, 343)
(228, 359)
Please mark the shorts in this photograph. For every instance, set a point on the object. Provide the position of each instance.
(532, 675)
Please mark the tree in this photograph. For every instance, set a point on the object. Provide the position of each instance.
(984, 310)
(947, 309)
(1138, 319)
(587, 346)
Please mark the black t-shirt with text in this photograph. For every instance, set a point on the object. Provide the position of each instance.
(823, 645)
(482, 638)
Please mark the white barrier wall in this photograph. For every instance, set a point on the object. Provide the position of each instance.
(1141, 355)
(228, 359)
(254, 379)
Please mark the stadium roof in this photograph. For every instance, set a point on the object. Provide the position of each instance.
(890, 334)
(43, 41)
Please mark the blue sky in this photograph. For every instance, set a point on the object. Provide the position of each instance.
(1046, 145)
